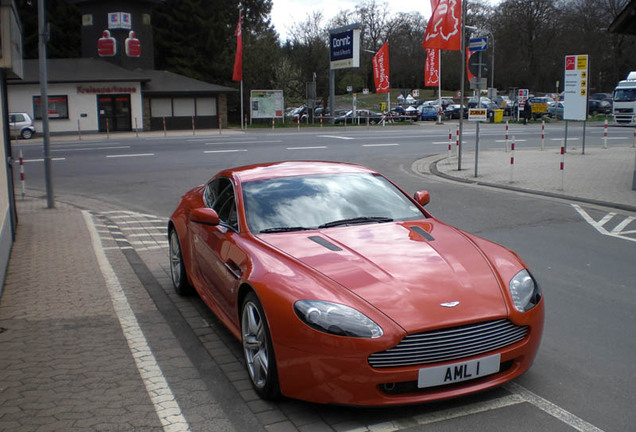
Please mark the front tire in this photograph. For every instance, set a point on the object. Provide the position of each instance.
(177, 267)
(27, 134)
(258, 349)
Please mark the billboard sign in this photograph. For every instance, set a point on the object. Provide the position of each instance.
(267, 104)
(344, 48)
(575, 87)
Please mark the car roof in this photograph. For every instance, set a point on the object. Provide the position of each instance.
(291, 168)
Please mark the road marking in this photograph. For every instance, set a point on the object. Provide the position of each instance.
(225, 151)
(510, 140)
(569, 139)
(90, 148)
(130, 155)
(555, 411)
(335, 137)
(307, 148)
(380, 145)
(618, 231)
(518, 395)
(42, 160)
(243, 142)
(164, 401)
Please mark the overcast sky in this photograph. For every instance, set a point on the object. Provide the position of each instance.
(287, 12)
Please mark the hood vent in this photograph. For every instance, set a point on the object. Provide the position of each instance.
(326, 243)
(421, 231)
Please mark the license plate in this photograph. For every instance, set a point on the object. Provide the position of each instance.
(458, 372)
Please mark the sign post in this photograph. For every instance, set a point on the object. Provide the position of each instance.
(575, 90)
(344, 52)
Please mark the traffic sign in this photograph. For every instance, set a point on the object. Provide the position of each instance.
(478, 44)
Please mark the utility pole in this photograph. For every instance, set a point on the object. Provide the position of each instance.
(44, 102)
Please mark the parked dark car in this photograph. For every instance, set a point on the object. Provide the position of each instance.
(452, 111)
(428, 112)
(595, 106)
(361, 117)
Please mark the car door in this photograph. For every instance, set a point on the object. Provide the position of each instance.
(220, 261)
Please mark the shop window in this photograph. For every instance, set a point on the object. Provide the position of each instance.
(161, 107)
(58, 107)
(183, 107)
(206, 106)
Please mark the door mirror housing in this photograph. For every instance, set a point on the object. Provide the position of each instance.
(422, 197)
(205, 216)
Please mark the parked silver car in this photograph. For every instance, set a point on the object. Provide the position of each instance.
(21, 125)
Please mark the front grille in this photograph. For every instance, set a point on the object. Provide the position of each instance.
(449, 344)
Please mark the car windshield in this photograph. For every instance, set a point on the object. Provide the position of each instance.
(625, 95)
(310, 202)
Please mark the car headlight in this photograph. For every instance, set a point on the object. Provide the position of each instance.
(336, 319)
(525, 291)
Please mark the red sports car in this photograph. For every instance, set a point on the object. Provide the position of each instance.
(343, 289)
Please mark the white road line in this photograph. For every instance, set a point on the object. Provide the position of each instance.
(380, 145)
(90, 148)
(510, 140)
(42, 160)
(335, 137)
(166, 406)
(555, 411)
(598, 226)
(307, 148)
(130, 155)
(243, 142)
(225, 151)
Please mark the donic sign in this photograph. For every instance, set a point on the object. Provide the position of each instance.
(345, 49)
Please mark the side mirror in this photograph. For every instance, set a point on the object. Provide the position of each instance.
(205, 216)
(422, 197)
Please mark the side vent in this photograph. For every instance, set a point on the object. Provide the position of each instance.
(326, 243)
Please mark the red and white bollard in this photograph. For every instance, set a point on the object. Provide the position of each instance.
(450, 144)
(605, 135)
(457, 141)
(165, 132)
(272, 123)
(22, 180)
(298, 123)
(562, 166)
(320, 120)
(512, 159)
(542, 135)
(506, 136)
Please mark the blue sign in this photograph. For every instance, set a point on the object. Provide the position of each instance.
(478, 44)
(344, 48)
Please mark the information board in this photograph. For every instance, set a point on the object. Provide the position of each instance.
(267, 104)
(575, 87)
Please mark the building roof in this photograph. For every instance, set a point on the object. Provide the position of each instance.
(625, 22)
(77, 70)
(87, 70)
(168, 83)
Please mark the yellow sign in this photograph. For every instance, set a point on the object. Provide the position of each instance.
(477, 114)
(539, 108)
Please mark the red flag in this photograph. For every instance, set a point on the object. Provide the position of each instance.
(469, 74)
(431, 69)
(238, 60)
(444, 28)
(381, 69)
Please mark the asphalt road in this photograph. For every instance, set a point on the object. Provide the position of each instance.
(582, 377)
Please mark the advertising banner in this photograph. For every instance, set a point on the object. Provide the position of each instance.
(444, 28)
(381, 69)
(431, 68)
(575, 87)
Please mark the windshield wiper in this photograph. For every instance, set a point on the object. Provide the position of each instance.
(283, 229)
(356, 220)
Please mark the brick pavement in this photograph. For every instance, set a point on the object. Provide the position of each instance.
(65, 364)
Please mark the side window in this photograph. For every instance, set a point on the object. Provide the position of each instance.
(210, 193)
(223, 201)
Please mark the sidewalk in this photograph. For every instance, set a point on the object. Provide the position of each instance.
(75, 347)
(600, 176)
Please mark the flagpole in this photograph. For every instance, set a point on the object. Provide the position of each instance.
(439, 86)
(242, 109)
(461, 88)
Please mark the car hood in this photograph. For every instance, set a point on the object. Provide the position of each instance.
(413, 272)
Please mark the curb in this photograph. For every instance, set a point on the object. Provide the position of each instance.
(619, 206)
